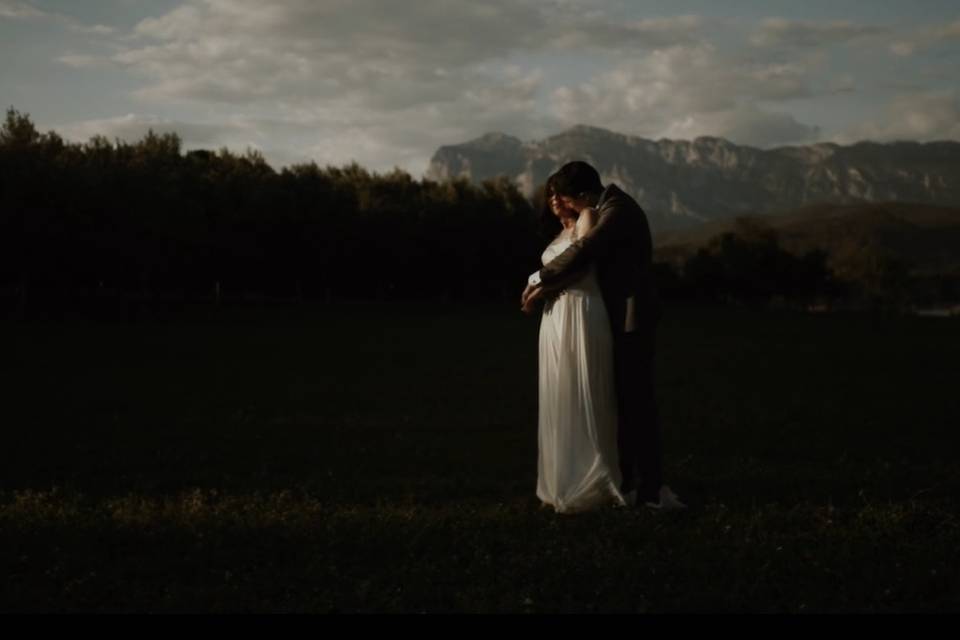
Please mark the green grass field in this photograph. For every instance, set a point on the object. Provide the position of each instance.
(383, 459)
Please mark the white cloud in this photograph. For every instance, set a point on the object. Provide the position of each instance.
(386, 83)
(843, 83)
(82, 60)
(19, 10)
(334, 132)
(365, 78)
(360, 52)
(690, 91)
(778, 32)
(381, 81)
(391, 54)
(601, 33)
(903, 48)
(925, 38)
(96, 29)
(923, 117)
(745, 125)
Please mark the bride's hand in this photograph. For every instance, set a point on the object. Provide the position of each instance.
(530, 301)
(526, 293)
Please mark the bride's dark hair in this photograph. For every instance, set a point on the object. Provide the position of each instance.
(577, 179)
(550, 225)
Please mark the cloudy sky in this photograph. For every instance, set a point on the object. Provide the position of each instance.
(385, 82)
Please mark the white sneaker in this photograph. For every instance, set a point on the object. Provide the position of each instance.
(669, 501)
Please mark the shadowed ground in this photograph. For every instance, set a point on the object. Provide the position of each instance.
(383, 458)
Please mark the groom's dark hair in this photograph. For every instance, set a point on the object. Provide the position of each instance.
(576, 180)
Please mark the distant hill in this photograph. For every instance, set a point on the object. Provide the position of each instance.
(926, 237)
(682, 184)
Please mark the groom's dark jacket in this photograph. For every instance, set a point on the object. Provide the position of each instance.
(621, 246)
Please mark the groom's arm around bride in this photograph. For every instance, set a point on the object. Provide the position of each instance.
(620, 242)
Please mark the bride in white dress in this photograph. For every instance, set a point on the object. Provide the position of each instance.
(578, 466)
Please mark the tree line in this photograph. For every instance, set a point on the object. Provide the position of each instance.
(146, 220)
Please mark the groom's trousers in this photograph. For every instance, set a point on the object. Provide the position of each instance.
(638, 429)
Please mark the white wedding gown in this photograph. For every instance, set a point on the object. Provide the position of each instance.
(578, 467)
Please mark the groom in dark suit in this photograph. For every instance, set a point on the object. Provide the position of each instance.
(620, 244)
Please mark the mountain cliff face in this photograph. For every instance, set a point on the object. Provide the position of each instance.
(683, 183)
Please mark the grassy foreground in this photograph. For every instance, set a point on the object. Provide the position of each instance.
(383, 458)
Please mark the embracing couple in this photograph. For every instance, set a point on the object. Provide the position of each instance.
(599, 433)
